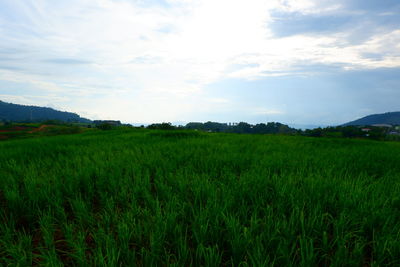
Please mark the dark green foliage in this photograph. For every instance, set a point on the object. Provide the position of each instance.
(21, 113)
(134, 197)
(375, 133)
(111, 122)
(195, 126)
(273, 128)
(243, 127)
(162, 126)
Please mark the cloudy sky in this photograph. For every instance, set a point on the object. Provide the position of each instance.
(293, 61)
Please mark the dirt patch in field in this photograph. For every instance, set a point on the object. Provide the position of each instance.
(41, 128)
(3, 137)
(37, 239)
(63, 250)
(89, 240)
(15, 129)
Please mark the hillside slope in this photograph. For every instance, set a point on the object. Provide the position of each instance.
(392, 118)
(15, 112)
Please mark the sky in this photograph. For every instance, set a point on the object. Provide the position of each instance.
(320, 62)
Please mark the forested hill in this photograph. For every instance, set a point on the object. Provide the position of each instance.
(19, 113)
(392, 118)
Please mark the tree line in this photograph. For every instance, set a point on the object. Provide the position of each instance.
(241, 127)
(369, 132)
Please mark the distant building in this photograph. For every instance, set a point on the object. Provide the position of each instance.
(110, 122)
(365, 130)
(382, 125)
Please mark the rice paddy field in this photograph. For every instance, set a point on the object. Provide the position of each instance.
(134, 197)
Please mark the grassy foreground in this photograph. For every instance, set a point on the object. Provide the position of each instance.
(154, 198)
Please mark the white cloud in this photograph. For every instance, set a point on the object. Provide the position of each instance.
(165, 56)
(315, 7)
(11, 76)
(265, 111)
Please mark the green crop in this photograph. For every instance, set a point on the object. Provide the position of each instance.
(162, 198)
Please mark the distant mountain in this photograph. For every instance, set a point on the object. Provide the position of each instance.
(392, 118)
(14, 112)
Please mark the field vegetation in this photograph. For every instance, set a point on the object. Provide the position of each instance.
(142, 197)
(48, 128)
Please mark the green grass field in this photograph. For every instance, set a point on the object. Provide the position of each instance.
(153, 198)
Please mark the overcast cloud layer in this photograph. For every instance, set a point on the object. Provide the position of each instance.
(294, 61)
